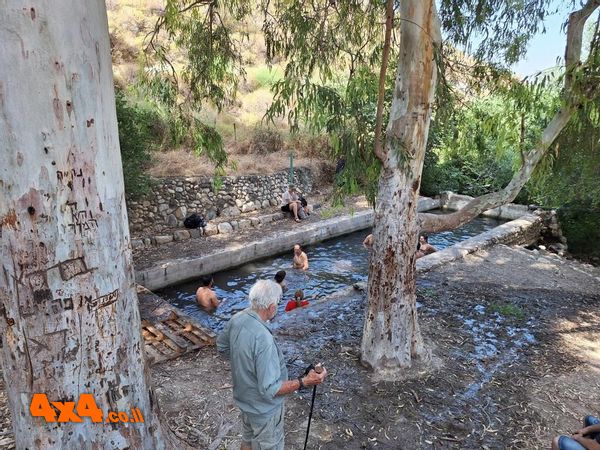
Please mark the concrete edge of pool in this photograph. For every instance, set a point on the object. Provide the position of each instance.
(175, 271)
(524, 230)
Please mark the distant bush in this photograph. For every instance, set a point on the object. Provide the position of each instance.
(139, 134)
(581, 227)
(311, 146)
(264, 141)
(263, 76)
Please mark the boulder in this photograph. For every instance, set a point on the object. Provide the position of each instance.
(266, 218)
(211, 229)
(244, 223)
(163, 239)
(225, 227)
(181, 212)
(196, 232)
(255, 221)
(231, 211)
(171, 220)
(210, 214)
(250, 206)
(181, 235)
(137, 243)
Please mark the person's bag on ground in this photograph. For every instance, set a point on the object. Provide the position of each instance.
(301, 213)
(194, 221)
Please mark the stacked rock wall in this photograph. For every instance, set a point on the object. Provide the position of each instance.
(173, 198)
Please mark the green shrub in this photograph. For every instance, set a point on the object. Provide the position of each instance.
(139, 134)
(507, 310)
(581, 227)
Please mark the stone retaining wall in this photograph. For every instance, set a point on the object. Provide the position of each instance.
(510, 211)
(522, 231)
(231, 222)
(178, 270)
(173, 198)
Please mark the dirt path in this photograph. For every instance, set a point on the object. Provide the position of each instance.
(508, 379)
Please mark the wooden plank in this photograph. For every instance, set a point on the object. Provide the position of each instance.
(163, 338)
(153, 354)
(178, 340)
(204, 334)
(185, 332)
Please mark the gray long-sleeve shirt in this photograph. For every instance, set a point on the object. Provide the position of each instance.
(257, 365)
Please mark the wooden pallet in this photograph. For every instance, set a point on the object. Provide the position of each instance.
(174, 336)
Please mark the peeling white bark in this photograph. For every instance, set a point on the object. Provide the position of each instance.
(391, 335)
(68, 308)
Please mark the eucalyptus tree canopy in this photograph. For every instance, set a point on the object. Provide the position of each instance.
(336, 80)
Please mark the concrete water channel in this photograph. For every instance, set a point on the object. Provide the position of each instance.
(335, 262)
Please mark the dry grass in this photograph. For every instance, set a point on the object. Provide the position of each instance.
(185, 163)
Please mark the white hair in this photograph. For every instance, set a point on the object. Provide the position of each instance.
(264, 293)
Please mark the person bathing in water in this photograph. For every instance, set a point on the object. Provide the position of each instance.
(205, 296)
(280, 280)
(420, 253)
(298, 301)
(426, 247)
(300, 258)
(368, 242)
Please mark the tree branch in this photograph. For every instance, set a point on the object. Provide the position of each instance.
(575, 28)
(379, 148)
(432, 223)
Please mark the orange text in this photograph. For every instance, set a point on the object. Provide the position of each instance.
(85, 407)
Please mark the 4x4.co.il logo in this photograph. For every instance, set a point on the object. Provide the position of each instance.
(86, 407)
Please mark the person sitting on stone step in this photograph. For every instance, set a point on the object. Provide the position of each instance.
(205, 296)
(290, 202)
(586, 438)
(297, 302)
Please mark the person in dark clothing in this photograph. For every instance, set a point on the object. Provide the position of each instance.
(280, 280)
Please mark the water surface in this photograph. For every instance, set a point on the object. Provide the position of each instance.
(334, 264)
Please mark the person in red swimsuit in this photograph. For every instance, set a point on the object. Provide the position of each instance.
(298, 301)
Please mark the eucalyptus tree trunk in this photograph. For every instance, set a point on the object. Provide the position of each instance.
(68, 308)
(391, 335)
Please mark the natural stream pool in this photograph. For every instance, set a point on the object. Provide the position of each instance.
(334, 265)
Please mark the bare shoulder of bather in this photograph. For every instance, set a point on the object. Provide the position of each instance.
(207, 298)
(301, 261)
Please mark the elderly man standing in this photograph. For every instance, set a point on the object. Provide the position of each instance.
(260, 378)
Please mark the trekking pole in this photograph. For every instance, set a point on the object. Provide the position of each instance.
(318, 368)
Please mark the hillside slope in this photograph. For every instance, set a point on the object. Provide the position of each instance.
(240, 124)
